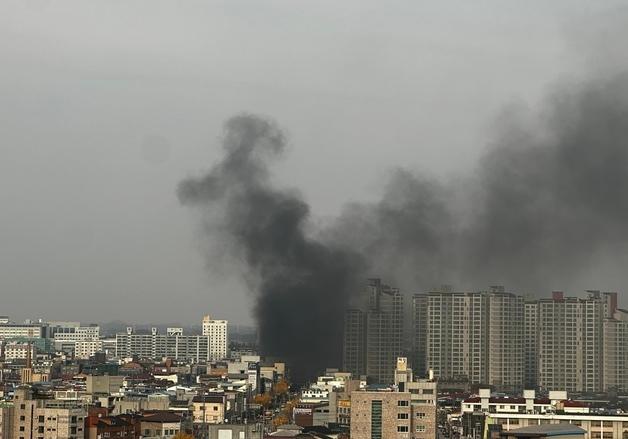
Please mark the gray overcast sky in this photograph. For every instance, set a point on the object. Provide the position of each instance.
(107, 105)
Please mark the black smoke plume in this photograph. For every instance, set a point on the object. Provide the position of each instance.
(545, 208)
(302, 285)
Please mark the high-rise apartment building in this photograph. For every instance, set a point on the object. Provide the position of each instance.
(419, 333)
(505, 339)
(571, 341)
(477, 336)
(384, 330)
(212, 345)
(373, 337)
(196, 348)
(616, 352)
(530, 344)
(217, 331)
(354, 343)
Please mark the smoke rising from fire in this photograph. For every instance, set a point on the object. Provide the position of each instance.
(302, 285)
(546, 203)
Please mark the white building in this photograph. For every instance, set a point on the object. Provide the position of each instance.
(217, 331)
(9, 330)
(596, 426)
(196, 348)
(18, 351)
(87, 348)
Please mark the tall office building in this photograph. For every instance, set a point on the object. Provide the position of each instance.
(373, 337)
(571, 341)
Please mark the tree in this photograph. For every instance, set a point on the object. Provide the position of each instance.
(282, 387)
(263, 400)
(280, 420)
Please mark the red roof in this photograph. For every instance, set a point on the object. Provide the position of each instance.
(572, 403)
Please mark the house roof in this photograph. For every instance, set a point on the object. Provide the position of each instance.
(505, 400)
(209, 398)
(162, 417)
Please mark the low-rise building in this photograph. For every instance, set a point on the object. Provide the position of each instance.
(98, 425)
(208, 409)
(381, 415)
(103, 384)
(53, 419)
(595, 426)
(544, 431)
(162, 425)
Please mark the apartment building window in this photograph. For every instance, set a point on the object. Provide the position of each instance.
(402, 428)
(402, 416)
(420, 429)
(403, 403)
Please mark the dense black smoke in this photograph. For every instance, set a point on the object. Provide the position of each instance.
(302, 285)
(546, 203)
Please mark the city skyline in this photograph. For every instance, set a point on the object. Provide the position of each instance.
(99, 216)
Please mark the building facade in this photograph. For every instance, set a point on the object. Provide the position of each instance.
(52, 419)
(373, 337)
(530, 344)
(174, 344)
(354, 343)
(615, 376)
(380, 415)
(571, 341)
(217, 331)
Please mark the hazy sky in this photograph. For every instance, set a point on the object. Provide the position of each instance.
(106, 105)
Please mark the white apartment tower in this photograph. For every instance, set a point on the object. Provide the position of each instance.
(217, 332)
(505, 339)
(475, 335)
(571, 341)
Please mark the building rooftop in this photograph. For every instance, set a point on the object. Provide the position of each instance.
(545, 430)
(162, 417)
